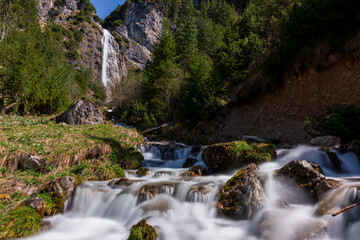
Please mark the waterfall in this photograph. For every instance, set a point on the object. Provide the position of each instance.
(184, 207)
(110, 60)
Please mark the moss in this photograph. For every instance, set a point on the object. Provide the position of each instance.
(142, 231)
(21, 221)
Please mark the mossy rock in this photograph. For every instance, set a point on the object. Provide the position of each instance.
(142, 172)
(142, 231)
(243, 195)
(226, 156)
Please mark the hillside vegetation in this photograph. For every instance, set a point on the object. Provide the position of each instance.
(206, 52)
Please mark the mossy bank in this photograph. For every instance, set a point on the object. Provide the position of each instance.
(67, 153)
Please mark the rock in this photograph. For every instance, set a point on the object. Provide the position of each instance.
(35, 163)
(189, 162)
(45, 225)
(120, 183)
(142, 231)
(68, 185)
(199, 193)
(149, 191)
(334, 159)
(225, 156)
(142, 172)
(326, 141)
(198, 171)
(355, 147)
(195, 150)
(82, 112)
(326, 185)
(170, 151)
(36, 203)
(243, 195)
(306, 175)
(253, 139)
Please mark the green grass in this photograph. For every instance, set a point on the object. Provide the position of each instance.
(88, 152)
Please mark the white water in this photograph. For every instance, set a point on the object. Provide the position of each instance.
(110, 60)
(185, 208)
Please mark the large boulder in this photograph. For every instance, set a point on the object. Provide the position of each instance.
(243, 195)
(82, 112)
(30, 162)
(326, 141)
(142, 231)
(306, 175)
(225, 156)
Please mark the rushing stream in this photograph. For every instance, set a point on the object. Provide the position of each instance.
(185, 207)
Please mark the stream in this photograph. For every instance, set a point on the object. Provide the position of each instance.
(185, 207)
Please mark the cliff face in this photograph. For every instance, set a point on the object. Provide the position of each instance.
(136, 26)
(76, 15)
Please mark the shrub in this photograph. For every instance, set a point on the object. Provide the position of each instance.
(340, 120)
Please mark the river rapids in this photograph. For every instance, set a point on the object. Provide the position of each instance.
(185, 208)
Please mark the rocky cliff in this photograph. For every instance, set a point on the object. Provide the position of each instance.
(136, 26)
(79, 18)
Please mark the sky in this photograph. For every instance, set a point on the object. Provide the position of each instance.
(105, 7)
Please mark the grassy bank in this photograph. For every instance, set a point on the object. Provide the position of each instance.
(88, 152)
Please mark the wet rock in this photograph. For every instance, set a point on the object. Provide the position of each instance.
(195, 150)
(120, 183)
(142, 172)
(243, 195)
(142, 230)
(161, 174)
(326, 141)
(170, 151)
(35, 163)
(68, 185)
(306, 175)
(45, 225)
(36, 203)
(82, 112)
(355, 147)
(326, 185)
(199, 193)
(225, 156)
(189, 162)
(333, 157)
(149, 191)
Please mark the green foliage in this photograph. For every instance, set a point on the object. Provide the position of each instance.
(136, 114)
(21, 221)
(200, 96)
(142, 231)
(340, 120)
(329, 22)
(35, 74)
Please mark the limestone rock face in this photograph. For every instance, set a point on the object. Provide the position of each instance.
(137, 26)
(90, 48)
(82, 112)
(243, 195)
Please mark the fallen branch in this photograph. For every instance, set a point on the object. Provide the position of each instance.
(345, 208)
(157, 128)
(7, 108)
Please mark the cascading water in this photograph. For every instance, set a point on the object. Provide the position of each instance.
(110, 59)
(184, 207)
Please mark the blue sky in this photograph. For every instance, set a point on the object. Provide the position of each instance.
(105, 7)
